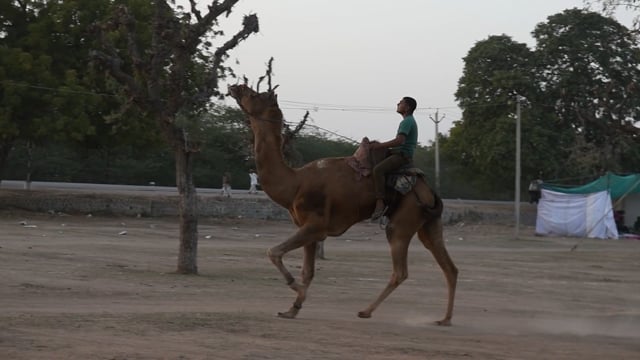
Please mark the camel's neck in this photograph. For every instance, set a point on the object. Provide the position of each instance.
(276, 178)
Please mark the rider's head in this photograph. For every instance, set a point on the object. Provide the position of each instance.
(407, 105)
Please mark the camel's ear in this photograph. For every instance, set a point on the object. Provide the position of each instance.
(269, 96)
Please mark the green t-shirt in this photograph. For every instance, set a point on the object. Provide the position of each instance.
(409, 128)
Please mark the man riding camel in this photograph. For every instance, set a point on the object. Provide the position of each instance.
(400, 151)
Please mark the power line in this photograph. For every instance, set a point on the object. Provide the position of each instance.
(61, 90)
(334, 133)
(356, 108)
(293, 104)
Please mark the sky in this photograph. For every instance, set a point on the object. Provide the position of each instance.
(349, 62)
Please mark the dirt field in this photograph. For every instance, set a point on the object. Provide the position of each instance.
(76, 287)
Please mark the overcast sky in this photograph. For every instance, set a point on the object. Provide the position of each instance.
(350, 61)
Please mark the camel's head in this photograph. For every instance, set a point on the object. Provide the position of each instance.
(258, 106)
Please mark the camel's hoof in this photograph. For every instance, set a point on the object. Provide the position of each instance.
(444, 322)
(287, 315)
(364, 314)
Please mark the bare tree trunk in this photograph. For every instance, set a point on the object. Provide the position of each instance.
(188, 210)
(27, 181)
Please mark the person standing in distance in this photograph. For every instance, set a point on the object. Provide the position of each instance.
(253, 180)
(400, 149)
(226, 184)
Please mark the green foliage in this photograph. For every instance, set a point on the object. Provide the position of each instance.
(122, 164)
(48, 90)
(579, 101)
(498, 71)
(590, 65)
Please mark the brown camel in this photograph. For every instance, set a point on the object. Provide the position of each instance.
(325, 198)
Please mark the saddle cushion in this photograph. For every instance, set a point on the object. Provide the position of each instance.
(359, 161)
(403, 180)
(363, 160)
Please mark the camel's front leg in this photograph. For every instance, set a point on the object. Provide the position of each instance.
(304, 237)
(308, 271)
(399, 248)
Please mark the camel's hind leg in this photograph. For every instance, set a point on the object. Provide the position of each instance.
(308, 238)
(431, 236)
(399, 247)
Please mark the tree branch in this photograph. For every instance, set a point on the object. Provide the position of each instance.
(113, 65)
(110, 59)
(204, 23)
(195, 11)
(268, 76)
(250, 25)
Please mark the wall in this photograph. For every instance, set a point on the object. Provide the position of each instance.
(215, 206)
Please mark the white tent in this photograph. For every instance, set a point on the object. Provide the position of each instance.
(580, 215)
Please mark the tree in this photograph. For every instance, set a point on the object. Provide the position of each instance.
(172, 78)
(589, 66)
(497, 71)
(20, 107)
(49, 94)
(580, 89)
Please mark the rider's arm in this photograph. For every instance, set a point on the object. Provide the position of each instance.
(399, 140)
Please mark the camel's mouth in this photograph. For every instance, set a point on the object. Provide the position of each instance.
(238, 91)
(234, 91)
(251, 102)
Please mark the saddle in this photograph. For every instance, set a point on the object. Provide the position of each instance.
(398, 182)
(402, 179)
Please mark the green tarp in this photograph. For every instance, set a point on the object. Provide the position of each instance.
(617, 185)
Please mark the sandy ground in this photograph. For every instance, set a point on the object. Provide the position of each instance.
(77, 287)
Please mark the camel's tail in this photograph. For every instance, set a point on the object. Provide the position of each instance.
(435, 210)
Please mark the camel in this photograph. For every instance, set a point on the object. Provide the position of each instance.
(325, 198)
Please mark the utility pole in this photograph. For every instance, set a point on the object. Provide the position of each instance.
(437, 120)
(517, 194)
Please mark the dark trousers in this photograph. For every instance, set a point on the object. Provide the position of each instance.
(387, 165)
(534, 196)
